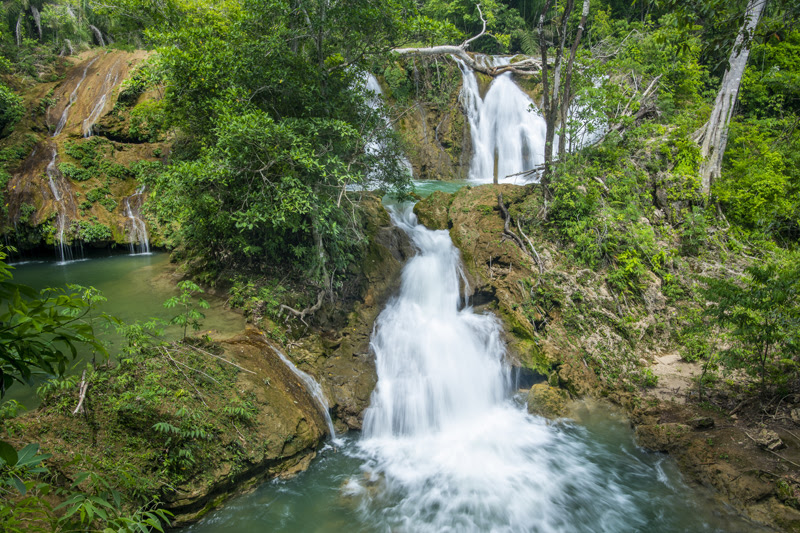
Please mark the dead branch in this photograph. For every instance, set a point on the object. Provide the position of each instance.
(535, 253)
(189, 381)
(525, 67)
(308, 311)
(84, 386)
(776, 454)
(195, 348)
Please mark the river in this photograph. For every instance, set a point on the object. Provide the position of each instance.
(448, 446)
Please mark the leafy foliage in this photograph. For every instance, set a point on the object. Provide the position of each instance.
(40, 332)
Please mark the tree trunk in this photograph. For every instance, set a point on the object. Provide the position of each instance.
(567, 98)
(714, 135)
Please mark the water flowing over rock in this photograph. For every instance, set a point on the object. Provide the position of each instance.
(72, 99)
(110, 81)
(444, 447)
(313, 389)
(508, 133)
(37, 18)
(376, 146)
(61, 195)
(18, 30)
(139, 241)
(98, 34)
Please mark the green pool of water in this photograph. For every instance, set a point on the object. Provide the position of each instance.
(135, 287)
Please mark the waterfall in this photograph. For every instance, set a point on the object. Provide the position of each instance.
(444, 446)
(110, 81)
(54, 178)
(98, 34)
(37, 18)
(72, 98)
(18, 30)
(507, 131)
(376, 146)
(139, 242)
(313, 389)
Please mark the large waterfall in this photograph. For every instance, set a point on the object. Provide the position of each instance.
(507, 130)
(445, 448)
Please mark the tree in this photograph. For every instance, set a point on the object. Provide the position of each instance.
(762, 312)
(713, 137)
(557, 97)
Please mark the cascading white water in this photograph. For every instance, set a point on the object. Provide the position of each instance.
(37, 18)
(376, 146)
(18, 30)
(313, 389)
(110, 81)
(98, 34)
(53, 176)
(445, 447)
(72, 98)
(139, 240)
(507, 132)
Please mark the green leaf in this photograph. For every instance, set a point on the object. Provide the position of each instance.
(8, 453)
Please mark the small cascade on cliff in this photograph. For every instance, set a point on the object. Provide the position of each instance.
(109, 83)
(507, 132)
(139, 241)
(37, 19)
(313, 389)
(54, 179)
(72, 98)
(374, 147)
(98, 34)
(444, 446)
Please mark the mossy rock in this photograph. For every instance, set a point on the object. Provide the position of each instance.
(549, 402)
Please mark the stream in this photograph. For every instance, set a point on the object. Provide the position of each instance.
(448, 445)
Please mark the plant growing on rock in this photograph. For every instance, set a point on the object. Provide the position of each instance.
(191, 314)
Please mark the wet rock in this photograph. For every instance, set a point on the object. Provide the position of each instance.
(768, 439)
(433, 211)
(702, 422)
(547, 401)
(662, 437)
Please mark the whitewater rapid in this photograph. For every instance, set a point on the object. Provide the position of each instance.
(444, 446)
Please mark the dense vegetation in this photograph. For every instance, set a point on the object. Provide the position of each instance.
(273, 137)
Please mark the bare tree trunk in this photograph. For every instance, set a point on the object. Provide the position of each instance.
(543, 46)
(714, 135)
(567, 98)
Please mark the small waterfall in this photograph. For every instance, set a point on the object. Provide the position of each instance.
(18, 30)
(37, 18)
(139, 242)
(72, 98)
(445, 448)
(98, 34)
(54, 178)
(376, 146)
(313, 389)
(507, 132)
(110, 81)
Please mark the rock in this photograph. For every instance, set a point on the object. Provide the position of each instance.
(795, 414)
(768, 439)
(662, 437)
(547, 401)
(702, 422)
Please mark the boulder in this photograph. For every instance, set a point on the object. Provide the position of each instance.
(549, 402)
